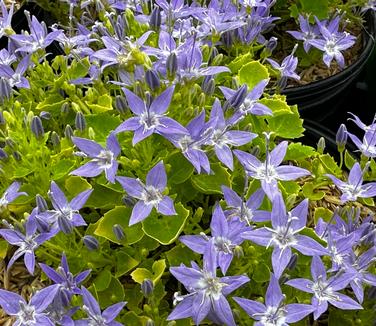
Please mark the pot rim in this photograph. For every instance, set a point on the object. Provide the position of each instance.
(363, 57)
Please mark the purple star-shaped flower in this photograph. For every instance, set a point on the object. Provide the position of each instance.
(150, 119)
(368, 145)
(27, 242)
(226, 236)
(68, 284)
(325, 290)
(93, 311)
(149, 194)
(222, 137)
(39, 38)
(274, 311)
(191, 142)
(354, 187)
(6, 19)
(103, 159)
(65, 215)
(284, 234)
(270, 171)
(360, 266)
(287, 67)
(250, 104)
(245, 211)
(307, 33)
(11, 194)
(332, 41)
(207, 292)
(16, 78)
(32, 313)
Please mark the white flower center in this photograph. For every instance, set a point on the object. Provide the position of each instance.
(149, 120)
(151, 195)
(104, 159)
(223, 244)
(26, 315)
(211, 285)
(274, 316)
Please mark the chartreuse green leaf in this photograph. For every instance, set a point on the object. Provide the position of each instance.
(297, 152)
(349, 160)
(322, 212)
(239, 62)
(102, 124)
(3, 248)
(114, 293)
(180, 169)
(104, 103)
(102, 281)
(261, 273)
(78, 69)
(165, 229)
(252, 73)
(124, 263)
(75, 185)
(277, 104)
(310, 192)
(318, 8)
(212, 183)
(288, 126)
(61, 168)
(119, 215)
(132, 319)
(180, 254)
(103, 197)
(158, 268)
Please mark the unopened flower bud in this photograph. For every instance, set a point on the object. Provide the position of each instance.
(341, 137)
(121, 104)
(255, 151)
(68, 132)
(128, 201)
(17, 155)
(213, 54)
(3, 154)
(321, 145)
(238, 98)
(37, 127)
(152, 79)
(55, 139)
(90, 242)
(41, 203)
(119, 232)
(372, 293)
(150, 322)
(2, 119)
(228, 38)
(238, 252)
(155, 18)
(172, 64)
(64, 225)
(208, 86)
(91, 133)
(65, 108)
(138, 90)
(5, 89)
(42, 225)
(271, 44)
(80, 122)
(10, 142)
(217, 60)
(45, 115)
(147, 287)
(293, 261)
(201, 100)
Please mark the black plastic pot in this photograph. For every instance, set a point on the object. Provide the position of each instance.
(324, 98)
